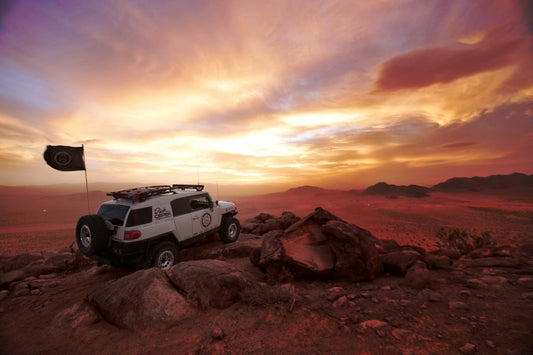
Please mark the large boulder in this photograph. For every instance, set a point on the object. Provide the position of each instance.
(21, 266)
(218, 250)
(264, 223)
(19, 261)
(209, 283)
(398, 262)
(145, 299)
(321, 244)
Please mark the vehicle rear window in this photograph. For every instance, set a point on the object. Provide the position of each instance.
(139, 216)
(113, 213)
(180, 206)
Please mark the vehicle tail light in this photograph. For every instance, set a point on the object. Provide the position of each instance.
(131, 235)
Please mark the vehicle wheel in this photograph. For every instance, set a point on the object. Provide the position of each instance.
(91, 234)
(229, 230)
(164, 255)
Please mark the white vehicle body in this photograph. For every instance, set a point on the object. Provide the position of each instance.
(140, 220)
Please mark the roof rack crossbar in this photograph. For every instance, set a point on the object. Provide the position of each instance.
(183, 187)
(140, 194)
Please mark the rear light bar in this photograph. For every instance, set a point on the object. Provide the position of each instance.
(132, 235)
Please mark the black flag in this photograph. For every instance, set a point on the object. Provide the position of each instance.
(64, 158)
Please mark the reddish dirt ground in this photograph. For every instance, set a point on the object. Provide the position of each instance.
(495, 320)
(29, 224)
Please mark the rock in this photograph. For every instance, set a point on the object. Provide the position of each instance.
(385, 246)
(19, 289)
(261, 218)
(334, 293)
(418, 278)
(373, 324)
(398, 262)
(453, 254)
(322, 244)
(209, 283)
(527, 296)
(60, 261)
(217, 333)
(4, 294)
(238, 249)
(264, 223)
(475, 283)
(341, 302)
(250, 227)
(255, 256)
(142, 300)
(526, 251)
(19, 261)
(457, 305)
(41, 284)
(437, 261)
(480, 253)
(11, 276)
(403, 334)
(503, 251)
(488, 262)
(80, 314)
(353, 249)
(526, 282)
(494, 280)
(429, 295)
(281, 223)
(465, 293)
(468, 348)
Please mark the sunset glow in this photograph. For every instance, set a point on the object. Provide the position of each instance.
(272, 94)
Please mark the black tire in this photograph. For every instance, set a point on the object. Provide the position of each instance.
(91, 234)
(230, 229)
(163, 255)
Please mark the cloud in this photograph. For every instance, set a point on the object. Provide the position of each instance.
(425, 67)
(459, 145)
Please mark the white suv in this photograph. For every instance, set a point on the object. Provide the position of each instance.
(148, 225)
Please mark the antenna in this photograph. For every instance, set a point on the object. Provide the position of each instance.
(197, 175)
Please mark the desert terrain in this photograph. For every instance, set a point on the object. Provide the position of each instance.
(465, 307)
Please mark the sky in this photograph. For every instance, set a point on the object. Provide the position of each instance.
(266, 95)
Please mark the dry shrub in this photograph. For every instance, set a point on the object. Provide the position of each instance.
(276, 273)
(462, 241)
(264, 295)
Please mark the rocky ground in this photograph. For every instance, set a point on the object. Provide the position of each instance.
(284, 287)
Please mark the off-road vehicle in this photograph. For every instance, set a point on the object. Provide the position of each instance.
(147, 226)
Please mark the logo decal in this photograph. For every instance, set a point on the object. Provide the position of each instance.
(62, 158)
(206, 219)
(160, 213)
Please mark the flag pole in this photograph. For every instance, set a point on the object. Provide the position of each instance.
(86, 182)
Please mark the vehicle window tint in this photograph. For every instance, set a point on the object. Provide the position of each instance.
(113, 213)
(200, 202)
(139, 216)
(180, 206)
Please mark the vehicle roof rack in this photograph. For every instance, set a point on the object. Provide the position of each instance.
(183, 187)
(140, 194)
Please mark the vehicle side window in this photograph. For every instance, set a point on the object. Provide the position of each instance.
(200, 202)
(139, 216)
(180, 206)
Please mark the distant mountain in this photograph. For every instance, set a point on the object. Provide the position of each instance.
(382, 188)
(479, 184)
(305, 189)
